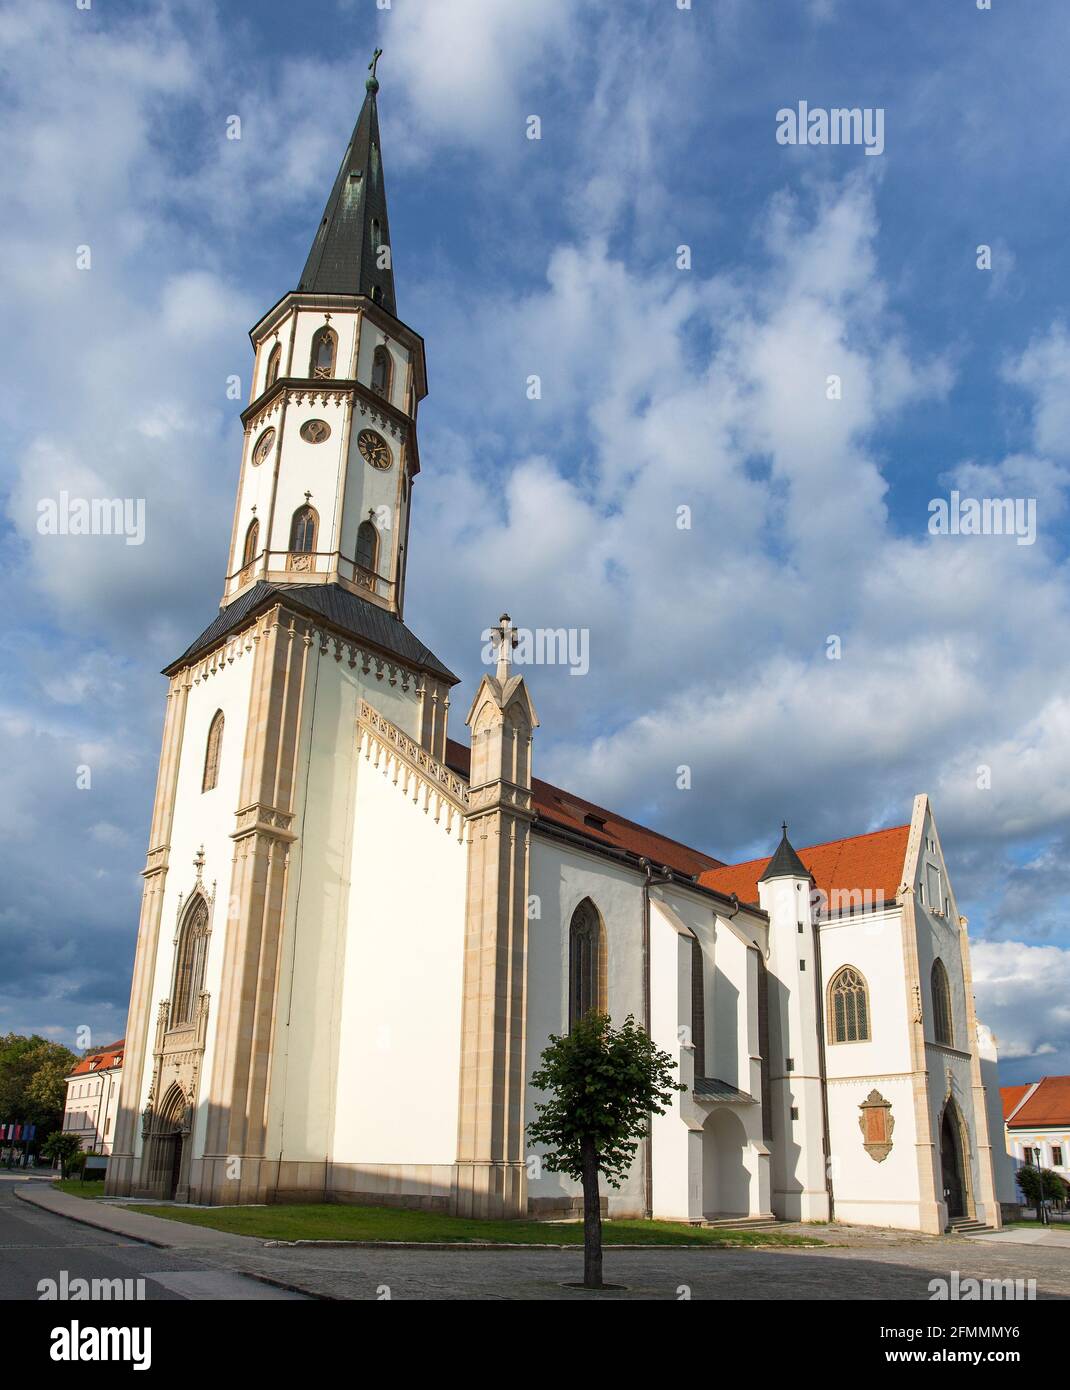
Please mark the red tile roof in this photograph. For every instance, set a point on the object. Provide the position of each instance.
(561, 808)
(1012, 1097)
(100, 1059)
(874, 862)
(1049, 1105)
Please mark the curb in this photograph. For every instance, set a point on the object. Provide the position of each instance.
(86, 1220)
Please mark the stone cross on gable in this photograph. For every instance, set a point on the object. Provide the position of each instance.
(506, 637)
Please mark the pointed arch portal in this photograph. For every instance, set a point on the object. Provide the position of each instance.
(954, 1162)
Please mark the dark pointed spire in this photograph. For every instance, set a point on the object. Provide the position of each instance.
(345, 253)
(785, 863)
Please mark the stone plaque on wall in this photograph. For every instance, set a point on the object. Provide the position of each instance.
(876, 1124)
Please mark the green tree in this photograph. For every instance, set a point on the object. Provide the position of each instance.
(61, 1148)
(32, 1085)
(601, 1085)
(1040, 1185)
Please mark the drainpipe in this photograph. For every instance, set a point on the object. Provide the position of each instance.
(819, 1000)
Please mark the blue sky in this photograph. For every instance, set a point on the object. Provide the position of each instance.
(661, 388)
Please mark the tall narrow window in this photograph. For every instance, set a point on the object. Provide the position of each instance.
(189, 962)
(367, 546)
(212, 751)
(586, 963)
(943, 1028)
(324, 347)
(381, 366)
(848, 1007)
(303, 531)
(763, 1048)
(252, 543)
(698, 1007)
(273, 364)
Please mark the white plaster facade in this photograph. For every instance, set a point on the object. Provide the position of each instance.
(92, 1100)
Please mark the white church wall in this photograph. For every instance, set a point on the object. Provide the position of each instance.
(316, 931)
(677, 1176)
(728, 1040)
(939, 935)
(203, 818)
(560, 878)
(399, 1041)
(867, 1191)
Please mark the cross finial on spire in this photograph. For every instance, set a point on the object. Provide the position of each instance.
(784, 827)
(505, 635)
(372, 83)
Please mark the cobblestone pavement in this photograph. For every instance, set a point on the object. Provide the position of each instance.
(857, 1263)
(893, 1269)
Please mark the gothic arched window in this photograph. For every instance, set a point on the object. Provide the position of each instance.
(381, 371)
(324, 347)
(189, 962)
(273, 364)
(943, 1027)
(252, 543)
(303, 530)
(211, 752)
(367, 546)
(586, 963)
(848, 1007)
(698, 1007)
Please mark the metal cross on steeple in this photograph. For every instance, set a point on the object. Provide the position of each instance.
(505, 635)
(372, 83)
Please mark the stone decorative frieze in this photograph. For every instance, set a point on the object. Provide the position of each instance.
(265, 413)
(443, 792)
(269, 820)
(367, 412)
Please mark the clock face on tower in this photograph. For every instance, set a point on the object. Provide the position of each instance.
(263, 447)
(374, 449)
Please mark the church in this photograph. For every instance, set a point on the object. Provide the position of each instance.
(358, 932)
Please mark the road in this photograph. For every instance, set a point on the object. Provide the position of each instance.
(36, 1245)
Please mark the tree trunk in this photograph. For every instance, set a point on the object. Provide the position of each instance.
(592, 1218)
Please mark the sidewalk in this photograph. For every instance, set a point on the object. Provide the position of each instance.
(114, 1217)
(1023, 1235)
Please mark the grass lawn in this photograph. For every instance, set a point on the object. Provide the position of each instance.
(77, 1188)
(334, 1221)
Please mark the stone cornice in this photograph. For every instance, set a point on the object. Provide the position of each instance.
(324, 391)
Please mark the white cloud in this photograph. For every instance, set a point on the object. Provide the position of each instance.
(1023, 994)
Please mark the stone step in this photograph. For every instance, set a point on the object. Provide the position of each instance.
(740, 1223)
(963, 1225)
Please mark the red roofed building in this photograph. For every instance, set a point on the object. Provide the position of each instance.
(1036, 1119)
(855, 874)
(93, 1097)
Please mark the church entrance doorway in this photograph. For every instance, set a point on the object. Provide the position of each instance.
(725, 1180)
(953, 1163)
(168, 1142)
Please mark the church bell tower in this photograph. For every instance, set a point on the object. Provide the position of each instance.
(330, 449)
(246, 900)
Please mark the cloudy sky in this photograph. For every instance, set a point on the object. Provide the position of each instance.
(664, 386)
